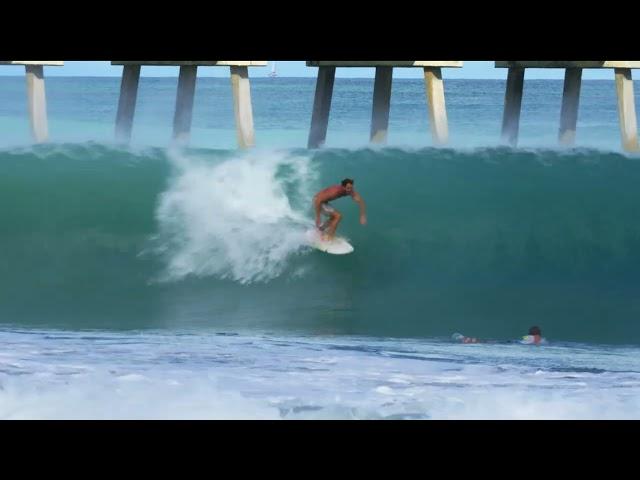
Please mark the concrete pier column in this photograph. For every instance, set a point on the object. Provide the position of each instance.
(321, 106)
(627, 110)
(570, 102)
(242, 106)
(381, 104)
(37, 102)
(512, 105)
(437, 107)
(184, 103)
(127, 102)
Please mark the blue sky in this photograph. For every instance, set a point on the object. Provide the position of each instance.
(299, 69)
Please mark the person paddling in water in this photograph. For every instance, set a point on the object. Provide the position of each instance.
(321, 206)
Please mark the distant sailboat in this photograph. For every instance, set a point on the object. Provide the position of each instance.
(273, 73)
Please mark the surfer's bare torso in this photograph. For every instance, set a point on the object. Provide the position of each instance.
(321, 206)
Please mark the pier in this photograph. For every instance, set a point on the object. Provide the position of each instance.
(36, 98)
(570, 99)
(185, 95)
(381, 101)
(381, 97)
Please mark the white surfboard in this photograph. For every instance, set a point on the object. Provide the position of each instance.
(336, 246)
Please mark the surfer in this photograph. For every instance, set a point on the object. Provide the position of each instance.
(321, 205)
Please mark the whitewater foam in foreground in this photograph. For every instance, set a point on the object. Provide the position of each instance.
(63, 375)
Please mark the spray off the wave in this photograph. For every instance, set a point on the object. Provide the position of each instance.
(234, 219)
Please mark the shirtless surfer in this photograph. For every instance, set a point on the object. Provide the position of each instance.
(321, 206)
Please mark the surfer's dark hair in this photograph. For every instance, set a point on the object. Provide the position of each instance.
(535, 331)
(347, 180)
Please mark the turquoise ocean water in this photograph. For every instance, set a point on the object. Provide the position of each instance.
(129, 274)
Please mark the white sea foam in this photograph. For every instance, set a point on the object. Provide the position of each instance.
(234, 218)
(203, 375)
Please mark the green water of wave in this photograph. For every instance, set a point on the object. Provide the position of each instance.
(486, 242)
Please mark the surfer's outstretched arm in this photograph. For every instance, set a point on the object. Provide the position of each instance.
(358, 199)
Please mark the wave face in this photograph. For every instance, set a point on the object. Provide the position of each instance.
(485, 241)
